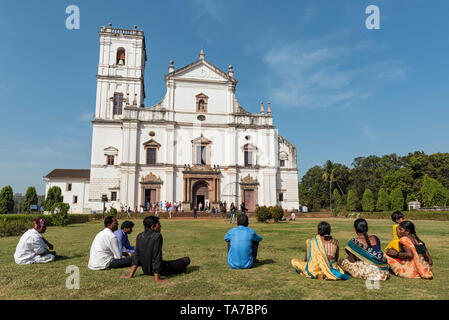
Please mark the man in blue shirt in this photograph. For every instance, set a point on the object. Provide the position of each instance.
(122, 235)
(243, 243)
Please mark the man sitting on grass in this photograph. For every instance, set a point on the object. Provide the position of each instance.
(148, 253)
(122, 235)
(32, 247)
(243, 243)
(105, 252)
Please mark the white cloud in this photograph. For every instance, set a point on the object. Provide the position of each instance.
(209, 8)
(321, 74)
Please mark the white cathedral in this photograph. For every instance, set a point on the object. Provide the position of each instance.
(197, 145)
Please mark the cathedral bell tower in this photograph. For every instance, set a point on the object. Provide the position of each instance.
(120, 78)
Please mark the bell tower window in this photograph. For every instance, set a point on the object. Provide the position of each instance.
(118, 103)
(121, 57)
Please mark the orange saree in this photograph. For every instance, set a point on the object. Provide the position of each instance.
(416, 268)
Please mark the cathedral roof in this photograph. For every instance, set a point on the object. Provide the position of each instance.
(202, 62)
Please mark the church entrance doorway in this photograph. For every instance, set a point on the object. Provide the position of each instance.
(150, 196)
(249, 199)
(200, 194)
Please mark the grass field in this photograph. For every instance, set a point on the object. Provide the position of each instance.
(208, 276)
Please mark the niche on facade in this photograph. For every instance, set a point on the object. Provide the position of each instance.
(201, 102)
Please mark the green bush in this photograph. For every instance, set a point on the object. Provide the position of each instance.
(6, 200)
(337, 203)
(383, 200)
(409, 215)
(16, 224)
(368, 201)
(352, 203)
(396, 200)
(113, 212)
(54, 195)
(263, 214)
(60, 213)
(276, 213)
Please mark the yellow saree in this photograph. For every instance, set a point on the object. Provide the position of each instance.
(317, 265)
(395, 242)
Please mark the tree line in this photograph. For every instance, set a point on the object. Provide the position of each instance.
(15, 203)
(377, 183)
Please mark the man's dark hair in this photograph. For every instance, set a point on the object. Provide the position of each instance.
(127, 224)
(150, 221)
(395, 216)
(108, 220)
(242, 220)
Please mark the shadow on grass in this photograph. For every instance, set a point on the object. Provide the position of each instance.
(191, 269)
(60, 258)
(262, 262)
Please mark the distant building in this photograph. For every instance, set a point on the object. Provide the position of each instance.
(414, 205)
(74, 184)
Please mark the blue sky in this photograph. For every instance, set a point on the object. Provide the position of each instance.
(337, 90)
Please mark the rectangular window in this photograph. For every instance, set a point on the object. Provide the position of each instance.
(69, 187)
(110, 160)
(75, 199)
(248, 158)
(118, 103)
(201, 155)
(282, 163)
(281, 196)
(113, 196)
(151, 156)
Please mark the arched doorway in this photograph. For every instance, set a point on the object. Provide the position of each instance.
(200, 193)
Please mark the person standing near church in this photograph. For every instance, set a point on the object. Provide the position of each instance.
(243, 208)
(195, 212)
(32, 247)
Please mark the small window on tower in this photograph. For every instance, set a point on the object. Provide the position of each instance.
(110, 160)
(121, 57)
(282, 163)
(113, 196)
(69, 187)
(118, 103)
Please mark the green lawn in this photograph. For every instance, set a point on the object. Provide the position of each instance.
(208, 276)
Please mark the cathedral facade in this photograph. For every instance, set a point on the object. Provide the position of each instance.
(198, 145)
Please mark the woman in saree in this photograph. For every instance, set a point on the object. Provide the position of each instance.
(365, 257)
(412, 260)
(321, 257)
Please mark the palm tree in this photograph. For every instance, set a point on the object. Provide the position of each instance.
(328, 175)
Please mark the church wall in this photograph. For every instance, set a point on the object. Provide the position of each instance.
(185, 96)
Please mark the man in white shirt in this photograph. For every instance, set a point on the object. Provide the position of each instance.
(32, 247)
(105, 252)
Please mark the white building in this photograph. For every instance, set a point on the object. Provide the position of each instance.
(197, 144)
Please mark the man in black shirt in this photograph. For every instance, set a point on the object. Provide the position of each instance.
(148, 253)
